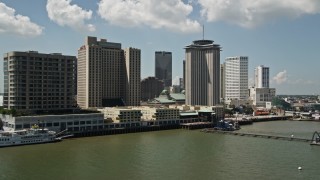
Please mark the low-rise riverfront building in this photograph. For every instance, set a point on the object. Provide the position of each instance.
(166, 98)
(71, 122)
(160, 115)
(117, 117)
(121, 115)
(260, 96)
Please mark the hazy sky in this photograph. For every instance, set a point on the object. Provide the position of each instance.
(284, 35)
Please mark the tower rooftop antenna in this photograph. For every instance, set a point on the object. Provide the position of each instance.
(202, 31)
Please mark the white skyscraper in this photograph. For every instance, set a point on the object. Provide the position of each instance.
(202, 73)
(261, 94)
(261, 77)
(236, 78)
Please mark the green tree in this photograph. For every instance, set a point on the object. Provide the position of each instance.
(5, 111)
(13, 112)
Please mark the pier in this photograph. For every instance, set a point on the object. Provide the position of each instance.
(266, 136)
(196, 125)
(253, 119)
(126, 130)
(113, 131)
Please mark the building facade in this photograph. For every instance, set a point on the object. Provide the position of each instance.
(151, 87)
(160, 114)
(121, 114)
(202, 83)
(1, 100)
(108, 75)
(71, 122)
(39, 82)
(261, 96)
(236, 78)
(163, 67)
(261, 77)
(184, 74)
(100, 73)
(133, 76)
(222, 81)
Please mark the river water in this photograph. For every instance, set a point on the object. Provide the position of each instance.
(172, 154)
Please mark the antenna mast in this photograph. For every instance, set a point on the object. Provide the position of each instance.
(202, 31)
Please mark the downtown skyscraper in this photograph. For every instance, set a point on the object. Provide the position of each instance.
(236, 78)
(163, 67)
(202, 84)
(133, 76)
(103, 78)
(261, 74)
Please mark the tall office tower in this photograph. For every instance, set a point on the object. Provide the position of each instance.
(163, 67)
(202, 73)
(222, 81)
(181, 83)
(261, 77)
(133, 76)
(101, 74)
(39, 82)
(184, 74)
(236, 78)
(151, 87)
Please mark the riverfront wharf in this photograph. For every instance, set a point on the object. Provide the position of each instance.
(186, 126)
(126, 130)
(253, 119)
(136, 129)
(196, 125)
(266, 136)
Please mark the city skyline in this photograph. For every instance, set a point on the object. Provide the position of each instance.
(285, 42)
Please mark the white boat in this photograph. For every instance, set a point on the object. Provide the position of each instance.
(34, 135)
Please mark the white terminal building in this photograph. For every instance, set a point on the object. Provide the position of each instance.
(236, 78)
(261, 96)
(71, 122)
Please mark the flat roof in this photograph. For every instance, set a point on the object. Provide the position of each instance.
(188, 114)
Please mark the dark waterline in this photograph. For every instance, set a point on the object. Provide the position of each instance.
(174, 154)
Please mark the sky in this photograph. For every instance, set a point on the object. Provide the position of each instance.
(283, 35)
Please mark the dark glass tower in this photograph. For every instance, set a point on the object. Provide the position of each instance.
(163, 67)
